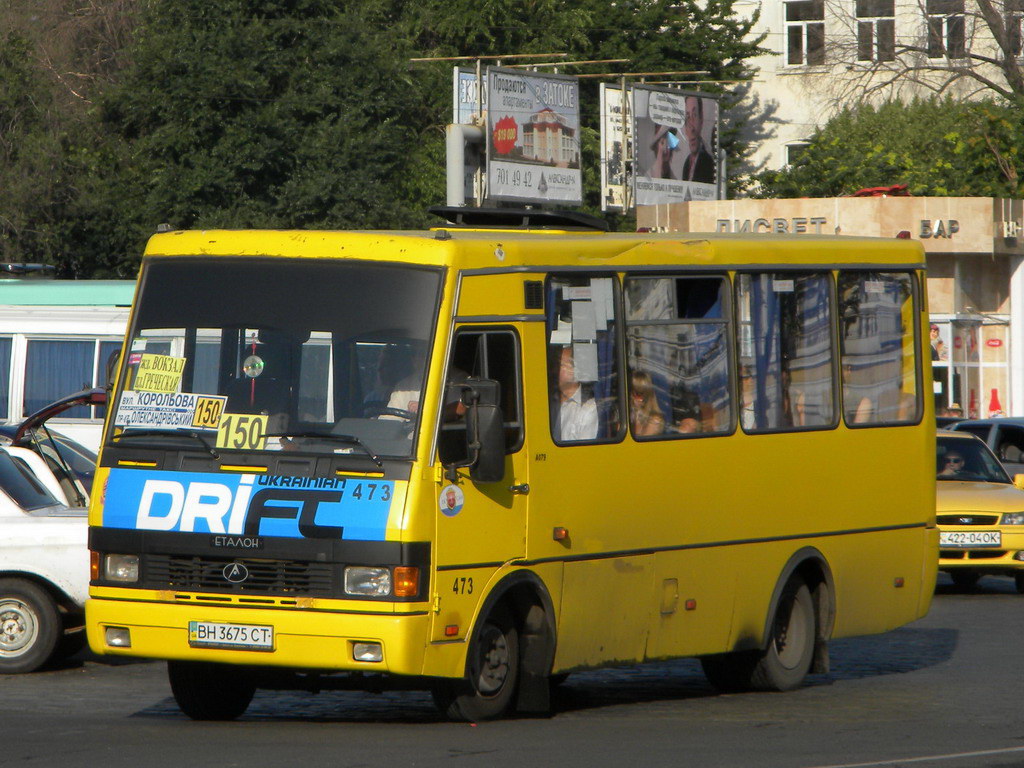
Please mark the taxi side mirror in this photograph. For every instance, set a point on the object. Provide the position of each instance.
(1018, 481)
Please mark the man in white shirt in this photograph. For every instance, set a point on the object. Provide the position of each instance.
(577, 412)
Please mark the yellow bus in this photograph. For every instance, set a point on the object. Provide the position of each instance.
(478, 458)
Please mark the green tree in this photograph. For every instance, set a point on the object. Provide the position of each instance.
(33, 187)
(937, 147)
(246, 113)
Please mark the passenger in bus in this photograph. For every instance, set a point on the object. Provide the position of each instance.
(686, 409)
(645, 416)
(859, 412)
(577, 409)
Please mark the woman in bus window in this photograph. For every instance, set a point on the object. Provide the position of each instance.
(645, 415)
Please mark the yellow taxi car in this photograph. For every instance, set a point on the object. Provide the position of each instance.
(979, 511)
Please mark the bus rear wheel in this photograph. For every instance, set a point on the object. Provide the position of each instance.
(785, 662)
(493, 673)
(209, 691)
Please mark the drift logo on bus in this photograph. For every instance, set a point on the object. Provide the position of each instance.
(248, 505)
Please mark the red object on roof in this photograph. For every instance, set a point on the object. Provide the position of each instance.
(896, 190)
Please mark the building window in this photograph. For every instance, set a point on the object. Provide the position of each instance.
(1014, 20)
(876, 30)
(946, 29)
(805, 32)
(795, 151)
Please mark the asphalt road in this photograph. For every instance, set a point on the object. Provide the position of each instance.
(944, 692)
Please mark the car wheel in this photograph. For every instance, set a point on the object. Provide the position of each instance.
(29, 626)
(206, 691)
(1018, 580)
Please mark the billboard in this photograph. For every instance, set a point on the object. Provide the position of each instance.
(533, 137)
(466, 110)
(676, 145)
(614, 150)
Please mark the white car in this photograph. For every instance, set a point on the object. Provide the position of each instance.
(44, 564)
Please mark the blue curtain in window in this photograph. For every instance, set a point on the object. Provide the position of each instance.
(766, 317)
(54, 369)
(5, 378)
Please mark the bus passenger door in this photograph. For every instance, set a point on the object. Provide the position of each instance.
(479, 526)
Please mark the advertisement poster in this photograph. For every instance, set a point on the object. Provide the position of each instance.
(614, 150)
(676, 146)
(533, 137)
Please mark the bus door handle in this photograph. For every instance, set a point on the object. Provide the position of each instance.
(522, 489)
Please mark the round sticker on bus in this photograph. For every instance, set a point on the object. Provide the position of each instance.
(451, 500)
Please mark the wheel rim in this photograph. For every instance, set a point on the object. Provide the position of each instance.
(493, 662)
(791, 636)
(19, 627)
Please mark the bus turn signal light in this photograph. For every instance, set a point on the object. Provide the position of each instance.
(407, 581)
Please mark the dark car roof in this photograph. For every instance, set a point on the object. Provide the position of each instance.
(1016, 421)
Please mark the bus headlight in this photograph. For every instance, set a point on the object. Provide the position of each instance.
(123, 568)
(367, 581)
(1012, 518)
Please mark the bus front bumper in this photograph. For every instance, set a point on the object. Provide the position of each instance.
(298, 639)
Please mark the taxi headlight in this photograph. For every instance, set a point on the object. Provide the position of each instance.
(123, 568)
(1013, 518)
(367, 581)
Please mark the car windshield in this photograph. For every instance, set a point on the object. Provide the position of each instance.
(969, 460)
(274, 354)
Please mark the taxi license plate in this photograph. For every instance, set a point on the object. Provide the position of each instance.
(248, 637)
(970, 539)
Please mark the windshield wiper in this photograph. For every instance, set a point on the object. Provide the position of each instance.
(192, 433)
(350, 439)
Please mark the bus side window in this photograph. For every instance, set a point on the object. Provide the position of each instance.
(677, 347)
(879, 364)
(482, 354)
(583, 375)
(786, 351)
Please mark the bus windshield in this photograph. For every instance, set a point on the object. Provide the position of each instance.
(271, 354)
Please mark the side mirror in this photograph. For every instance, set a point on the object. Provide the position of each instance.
(113, 363)
(485, 434)
(1018, 481)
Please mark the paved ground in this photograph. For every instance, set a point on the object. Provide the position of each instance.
(943, 693)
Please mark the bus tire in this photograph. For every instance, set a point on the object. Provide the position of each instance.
(493, 673)
(210, 691)
(29, 626)
(1018, 581)
(730, 672)
(784, 664)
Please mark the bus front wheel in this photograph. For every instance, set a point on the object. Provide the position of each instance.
(209, 691)
(493, 672)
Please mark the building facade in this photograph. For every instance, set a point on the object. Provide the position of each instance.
(975, 258)
(825, 54)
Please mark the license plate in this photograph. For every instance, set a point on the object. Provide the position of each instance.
(249, 637)
(970, 539)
